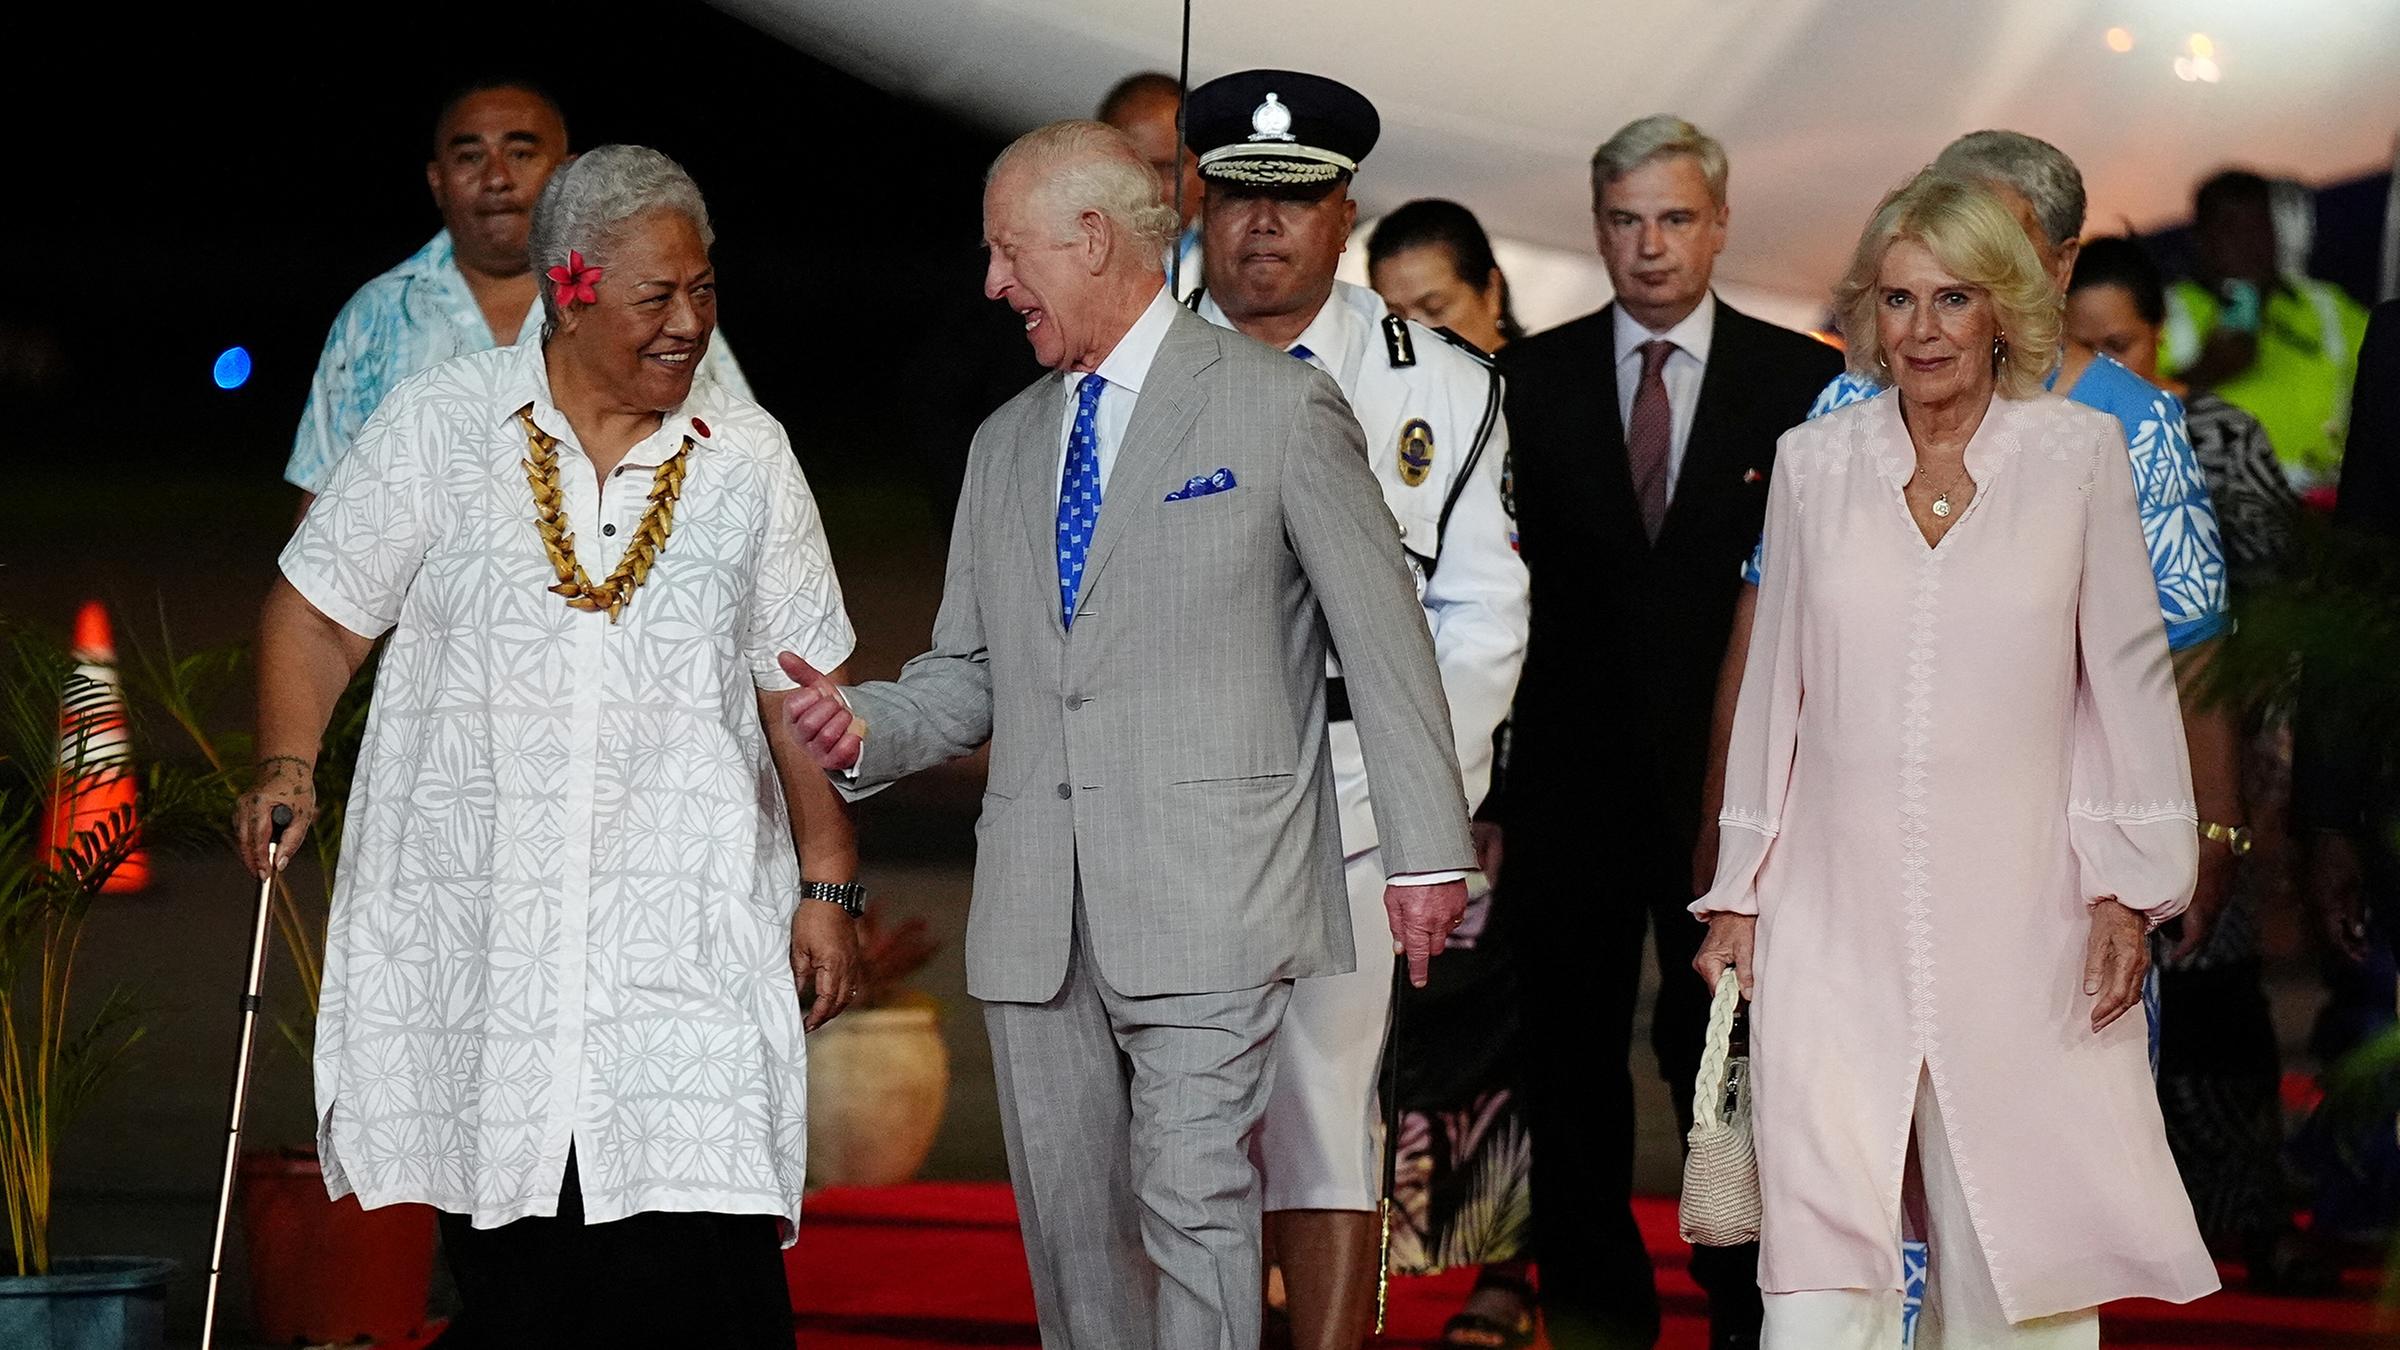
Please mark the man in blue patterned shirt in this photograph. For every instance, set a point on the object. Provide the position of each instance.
(470, 289)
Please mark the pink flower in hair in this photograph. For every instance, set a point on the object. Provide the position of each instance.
(573, 282)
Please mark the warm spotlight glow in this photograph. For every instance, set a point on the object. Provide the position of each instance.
(2202, 47)
(2205, 70)
(2120, 40)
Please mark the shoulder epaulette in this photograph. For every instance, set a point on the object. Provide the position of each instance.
(1396, 343)
(1465, 346)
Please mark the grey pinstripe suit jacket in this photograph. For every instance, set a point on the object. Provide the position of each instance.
(1174, 744)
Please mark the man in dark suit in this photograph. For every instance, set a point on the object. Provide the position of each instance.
(1644, 435)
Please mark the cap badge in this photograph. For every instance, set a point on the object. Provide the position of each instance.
(1271, 121)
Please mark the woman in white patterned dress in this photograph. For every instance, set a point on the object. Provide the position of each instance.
(562, 994)
(1957, 800)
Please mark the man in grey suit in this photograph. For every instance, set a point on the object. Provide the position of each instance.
(1153, 548)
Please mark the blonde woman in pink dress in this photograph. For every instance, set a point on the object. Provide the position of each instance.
(1957, 801)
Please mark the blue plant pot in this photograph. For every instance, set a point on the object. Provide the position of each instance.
(87, 1303)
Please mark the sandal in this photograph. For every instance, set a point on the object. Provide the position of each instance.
(1472, 1330)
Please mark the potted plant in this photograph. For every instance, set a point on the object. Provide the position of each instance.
(321, 1270)
(69, 803)
(878, 1075)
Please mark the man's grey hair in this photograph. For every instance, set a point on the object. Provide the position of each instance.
(1653, 138)
(587, 204)
(2038, 170)
(1091, 166)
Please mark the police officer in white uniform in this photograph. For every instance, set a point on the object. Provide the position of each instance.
(1278, 149)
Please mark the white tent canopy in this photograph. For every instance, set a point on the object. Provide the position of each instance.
(1821, 104)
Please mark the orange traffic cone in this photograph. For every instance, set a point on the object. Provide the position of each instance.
(95, 733)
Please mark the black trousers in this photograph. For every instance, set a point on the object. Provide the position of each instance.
(650, 1281)
(1580, 903)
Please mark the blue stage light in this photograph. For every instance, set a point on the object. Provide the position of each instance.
(233, 368)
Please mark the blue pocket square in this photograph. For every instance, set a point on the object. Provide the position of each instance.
(1220, 481)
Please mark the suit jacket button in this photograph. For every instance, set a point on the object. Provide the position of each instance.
(1075, 704)
(1065, 792)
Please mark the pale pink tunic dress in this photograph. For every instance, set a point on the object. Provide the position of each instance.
(1942, 754)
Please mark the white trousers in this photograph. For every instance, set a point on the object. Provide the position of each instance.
(1320, 1145)
(1962, 1307)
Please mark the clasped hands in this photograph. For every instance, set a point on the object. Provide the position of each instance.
(833, 736)
(2115, 956)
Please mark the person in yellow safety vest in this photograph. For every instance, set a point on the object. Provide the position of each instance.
(2277, 344)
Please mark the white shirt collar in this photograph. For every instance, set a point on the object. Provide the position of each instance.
(1691, 336)
(1332, 334)
(1128, 363)
(690, 419)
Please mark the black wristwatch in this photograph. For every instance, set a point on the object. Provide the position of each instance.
(850, 895)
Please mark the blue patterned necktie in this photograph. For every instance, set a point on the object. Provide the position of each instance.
(1079, 495)
(1299, 352)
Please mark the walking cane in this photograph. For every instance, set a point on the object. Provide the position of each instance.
(1391, 1145)
(280, 819)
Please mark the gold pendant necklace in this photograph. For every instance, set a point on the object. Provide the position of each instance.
(1941, 503)
(550, 520)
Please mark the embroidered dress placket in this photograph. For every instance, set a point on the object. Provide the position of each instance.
(1916, 732)
(1918, 724)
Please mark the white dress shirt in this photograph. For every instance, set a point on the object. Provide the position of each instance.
(1125, 367)
(1685, 367)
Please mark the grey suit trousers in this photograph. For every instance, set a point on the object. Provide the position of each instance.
(1128, 1123)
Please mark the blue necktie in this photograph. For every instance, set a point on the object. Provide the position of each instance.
(1079, 495)
(1300, 352)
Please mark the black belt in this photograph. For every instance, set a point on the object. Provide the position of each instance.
(1337, 699)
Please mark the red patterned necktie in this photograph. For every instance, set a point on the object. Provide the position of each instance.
(1648, 435)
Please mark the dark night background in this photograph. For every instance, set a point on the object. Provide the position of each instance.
(230, 179)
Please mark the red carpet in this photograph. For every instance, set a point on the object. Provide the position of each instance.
(934, 1265)
(940, 1265)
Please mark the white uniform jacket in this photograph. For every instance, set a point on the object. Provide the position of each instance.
(1439, 447)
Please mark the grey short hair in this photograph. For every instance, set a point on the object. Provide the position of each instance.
(2038, 170)
(1655, 137)
(1091, 166)
(587, 203)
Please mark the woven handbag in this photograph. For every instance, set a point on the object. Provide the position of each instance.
(1720, 1171)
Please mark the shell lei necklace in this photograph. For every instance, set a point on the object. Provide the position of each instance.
(550, 519)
